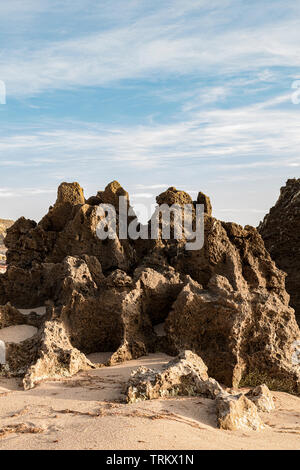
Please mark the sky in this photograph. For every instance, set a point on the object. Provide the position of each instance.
(203, 95)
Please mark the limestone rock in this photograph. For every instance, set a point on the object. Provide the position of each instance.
(185, 375)
(280, 231)
(174, 196)
(237, 412)
(262, 398)
(205, 200)
(226, 302)
(4, 226)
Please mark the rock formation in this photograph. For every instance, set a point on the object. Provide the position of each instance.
(280, 231)
(236, 412)
(225, 302)
(4, 225)
(187, 375)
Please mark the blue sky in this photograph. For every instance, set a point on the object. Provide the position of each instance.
(195, 94)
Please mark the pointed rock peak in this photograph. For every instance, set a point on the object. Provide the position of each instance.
(205, 200)
(112, 193)
(174, 196)
(71, 193)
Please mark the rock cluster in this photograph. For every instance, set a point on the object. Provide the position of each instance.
(280, 231)
(187, 375)
(225, 302)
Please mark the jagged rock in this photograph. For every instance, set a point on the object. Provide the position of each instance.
(174, 196)
(237, 412)
(48, 354)
(10, 316)
(112, 193)
(225, 302)
(234, 311)
(262, 398)
(280, 231)
(69, 229)
(184, 375)
(205, 200)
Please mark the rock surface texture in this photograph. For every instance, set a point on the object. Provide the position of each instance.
(280, 231)
(225, 302)
(262, 398)
(4, 225)
(236, 412)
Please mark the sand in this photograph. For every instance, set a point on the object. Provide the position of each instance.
(16, 334)
(39, 311)
(84, 412)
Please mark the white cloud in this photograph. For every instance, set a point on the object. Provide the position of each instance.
(156, 43)
(250, 137)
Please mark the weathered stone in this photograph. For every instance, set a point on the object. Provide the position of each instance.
(205, 200)
(174, 196)
(280, 231)
(184, 375)
(262, 398)
(4, 226)
(234, 310)
(236, 412)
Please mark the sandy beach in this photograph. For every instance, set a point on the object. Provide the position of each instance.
(86, 412)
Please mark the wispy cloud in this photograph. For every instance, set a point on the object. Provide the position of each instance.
(171, 39)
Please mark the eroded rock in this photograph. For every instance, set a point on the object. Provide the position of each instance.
(262, 398)
(237, 412)
(226, 302)
(185, 375)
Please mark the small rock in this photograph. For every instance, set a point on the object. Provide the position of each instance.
(262, 398)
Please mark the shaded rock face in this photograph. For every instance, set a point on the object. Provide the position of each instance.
(280, 231)
(185, 375)
(226, 302)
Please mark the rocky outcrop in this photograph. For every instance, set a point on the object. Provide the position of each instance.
(4, 226)
(187, 375)
(225, 302)
(280, 231)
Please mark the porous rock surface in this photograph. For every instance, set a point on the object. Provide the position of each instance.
(237, 412)
(225, 302)
(187, 375)
(280, 231)
(262, 398)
